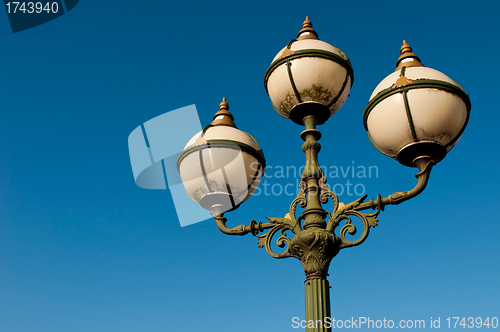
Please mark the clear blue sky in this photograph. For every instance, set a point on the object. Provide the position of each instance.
(82, 248)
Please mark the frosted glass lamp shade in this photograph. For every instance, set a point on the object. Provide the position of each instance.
(308, 76)
(221, 166)
(416, 111)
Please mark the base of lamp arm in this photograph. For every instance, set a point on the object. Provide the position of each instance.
(254, 228)
(424, 165)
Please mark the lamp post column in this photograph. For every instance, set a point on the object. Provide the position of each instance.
(314, 246)
(314, 214)
(317, 305)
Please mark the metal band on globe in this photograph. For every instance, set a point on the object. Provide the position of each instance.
(310, 53)
(257, 154)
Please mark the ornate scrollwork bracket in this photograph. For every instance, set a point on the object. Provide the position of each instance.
(345, 213)
(288, 223)
(285, 224)
(314, 246)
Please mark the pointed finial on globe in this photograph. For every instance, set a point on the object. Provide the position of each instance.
(405, 48)
(407, 58)
(223, 116)
(307, 31)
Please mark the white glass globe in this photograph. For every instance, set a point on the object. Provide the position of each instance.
(221, 165)
(416, 111)
(308, 71)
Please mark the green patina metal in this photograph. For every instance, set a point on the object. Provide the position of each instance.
(199, 193)
(205, 178)
(408, 115)
(292, 83)
(289, 45)
(334, 101)
(213, 186)
(317, 295)
(463, 127)
(316, 93)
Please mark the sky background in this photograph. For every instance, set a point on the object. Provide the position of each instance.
(83, 248)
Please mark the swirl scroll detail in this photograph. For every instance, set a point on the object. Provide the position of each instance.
(300, 200)
(369, 220)
(282, 225)
(326, 192)
(345, 213)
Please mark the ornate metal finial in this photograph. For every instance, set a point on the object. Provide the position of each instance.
(224, 105)
(405, 48)
(307, 31)
(223, 116)
(407, 58)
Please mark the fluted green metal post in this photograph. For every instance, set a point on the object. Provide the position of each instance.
(317, 305)
(315, 259)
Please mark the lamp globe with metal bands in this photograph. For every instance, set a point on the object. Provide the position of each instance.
(416, 115)
(416, 111)
(308, 76)
(221, 166)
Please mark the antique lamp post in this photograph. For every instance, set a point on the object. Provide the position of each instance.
(416, 115)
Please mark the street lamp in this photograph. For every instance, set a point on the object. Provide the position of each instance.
(416, 115)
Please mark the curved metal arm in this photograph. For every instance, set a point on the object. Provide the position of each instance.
(276, 224)
(290, 223)
(424, 165)
(253, 228)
